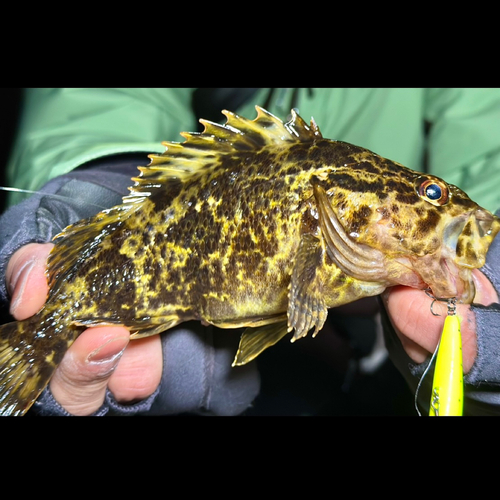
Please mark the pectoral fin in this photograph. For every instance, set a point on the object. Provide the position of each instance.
(306, 307)
(255, 340)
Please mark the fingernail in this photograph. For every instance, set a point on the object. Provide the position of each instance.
(18, 283)
(108, 352)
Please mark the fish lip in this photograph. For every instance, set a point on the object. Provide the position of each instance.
(487, 222)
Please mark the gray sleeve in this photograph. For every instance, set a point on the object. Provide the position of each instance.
(483, 380)
(197, 374)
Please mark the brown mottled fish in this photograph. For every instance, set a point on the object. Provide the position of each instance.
(255, 223)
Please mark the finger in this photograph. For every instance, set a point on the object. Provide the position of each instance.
(419, 330)
(79, 383)
(26, 280)
(485, 291)
(139, 372)
(416, 327)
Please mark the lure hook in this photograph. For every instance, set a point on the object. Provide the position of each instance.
(451, 303)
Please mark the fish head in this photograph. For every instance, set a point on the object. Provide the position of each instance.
(400, 226)
(450, 237)
(443, 235)
(466, 232)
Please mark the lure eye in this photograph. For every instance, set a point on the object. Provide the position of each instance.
(434, 191)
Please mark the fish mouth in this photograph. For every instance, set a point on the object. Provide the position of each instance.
(467, 239)
(488, 224)
(466, 243)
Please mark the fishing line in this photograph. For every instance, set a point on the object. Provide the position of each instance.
(427, 368)
(28, 191)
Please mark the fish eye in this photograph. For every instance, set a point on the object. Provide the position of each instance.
(434, 191)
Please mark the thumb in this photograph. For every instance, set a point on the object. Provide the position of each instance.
(79, 383)
(25, 279)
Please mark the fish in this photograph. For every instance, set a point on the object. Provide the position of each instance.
(259, 224)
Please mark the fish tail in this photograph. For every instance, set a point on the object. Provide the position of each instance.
(27, 361)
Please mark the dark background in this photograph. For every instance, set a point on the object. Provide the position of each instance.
(10, 101)
(10, 104)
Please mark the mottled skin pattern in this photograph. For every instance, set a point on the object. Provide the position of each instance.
(255, 223)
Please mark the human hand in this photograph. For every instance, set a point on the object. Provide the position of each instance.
(419, 331)
(100, 357)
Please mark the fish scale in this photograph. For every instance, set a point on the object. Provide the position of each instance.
(254, 223)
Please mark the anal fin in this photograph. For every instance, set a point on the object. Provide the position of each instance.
(139, 328)
(255, 340)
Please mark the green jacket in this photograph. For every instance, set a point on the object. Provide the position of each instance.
(64, 128)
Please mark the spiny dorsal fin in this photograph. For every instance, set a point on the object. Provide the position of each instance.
(200, 150)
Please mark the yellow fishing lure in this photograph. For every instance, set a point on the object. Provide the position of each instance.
(447, 396)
